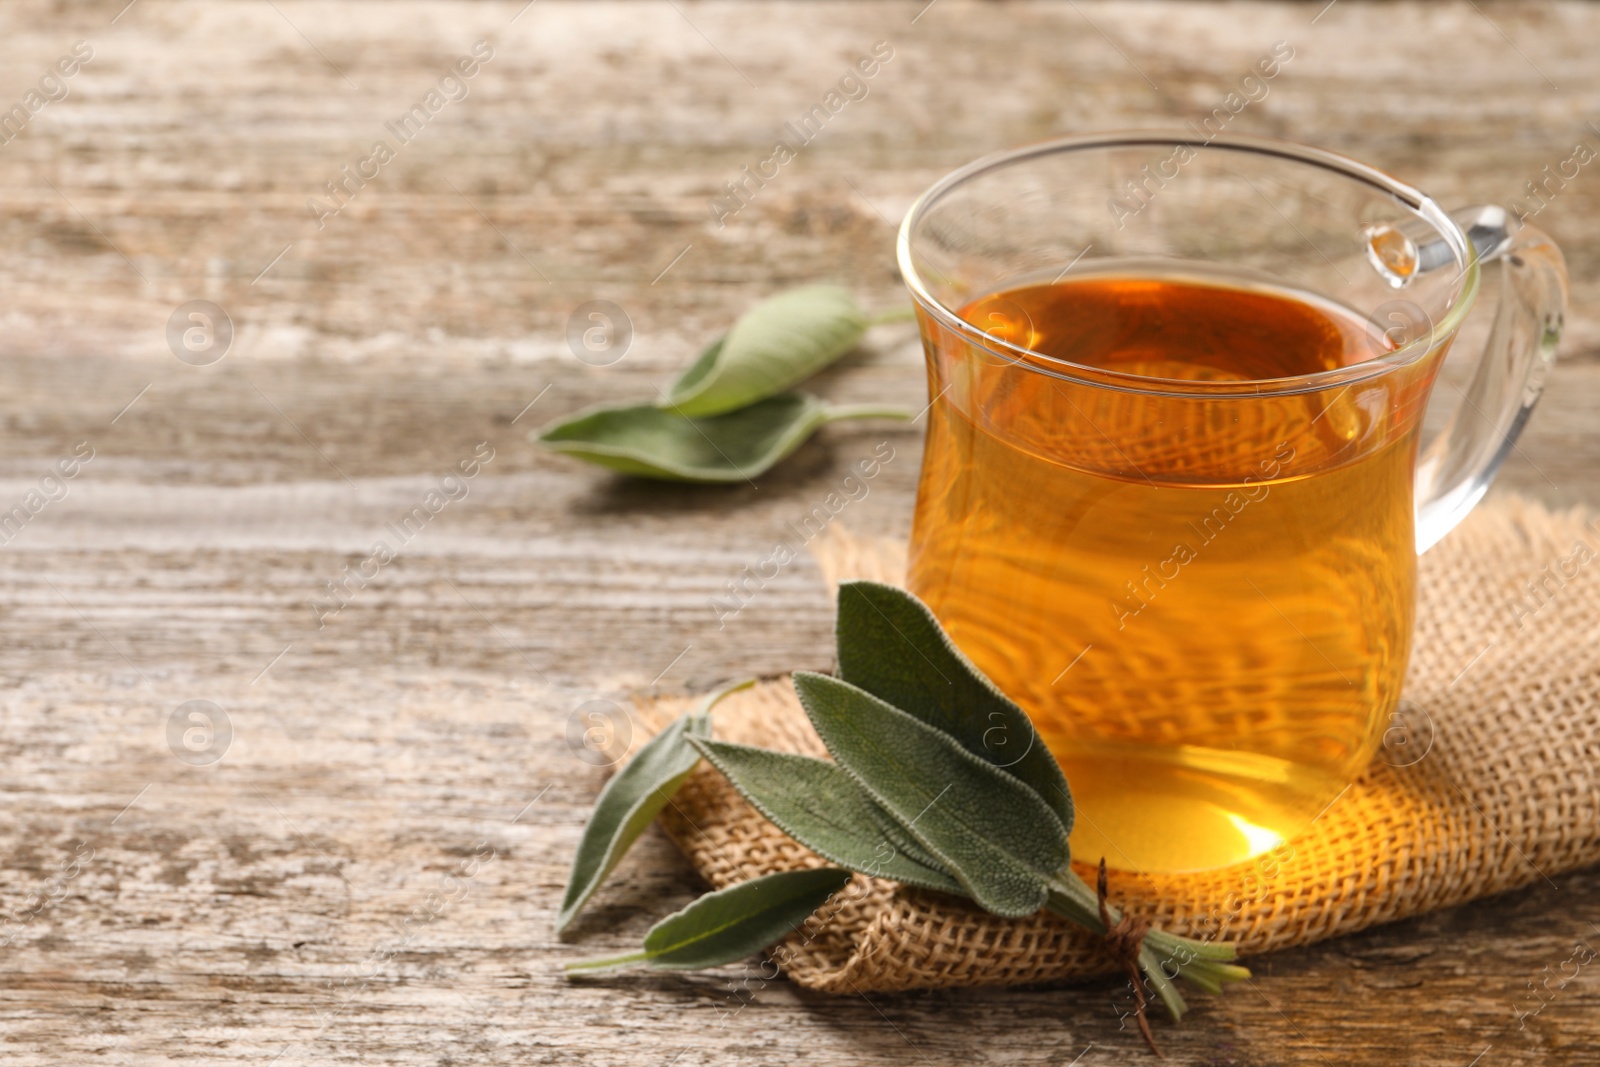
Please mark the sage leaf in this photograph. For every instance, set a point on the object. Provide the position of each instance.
(819, 805)
(731, 924)
(633, 798)
(650, 442)
(780, 342)
(986, 827)
(907, 845)
(891, 645)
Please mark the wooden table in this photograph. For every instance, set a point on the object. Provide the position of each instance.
(369, 873)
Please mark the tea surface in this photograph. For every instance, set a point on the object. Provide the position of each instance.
(1205, 607)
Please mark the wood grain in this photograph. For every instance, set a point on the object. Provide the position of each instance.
(305, 900)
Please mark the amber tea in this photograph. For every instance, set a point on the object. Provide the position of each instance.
(1172, 497)
(1204, 605)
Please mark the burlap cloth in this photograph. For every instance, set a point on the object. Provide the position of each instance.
(1486, 783)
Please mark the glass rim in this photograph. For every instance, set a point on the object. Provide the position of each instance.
(1029, 359)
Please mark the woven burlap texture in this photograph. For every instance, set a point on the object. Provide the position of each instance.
(1488, 784)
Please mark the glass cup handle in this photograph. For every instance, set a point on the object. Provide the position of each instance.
(1457, 467)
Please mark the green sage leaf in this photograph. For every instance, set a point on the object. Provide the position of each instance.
(633, 798)
(733, 923)
(891, 645)
(650, 442)
(908, 846)
(819, 805)
(986, 827)
(780, 342)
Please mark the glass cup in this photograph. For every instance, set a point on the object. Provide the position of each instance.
(1199, 579)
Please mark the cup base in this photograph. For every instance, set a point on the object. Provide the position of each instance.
(1184, 809)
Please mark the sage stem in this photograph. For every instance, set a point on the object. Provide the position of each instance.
(865, 411)
(608, 962)
(883, 318)
(1162, 984)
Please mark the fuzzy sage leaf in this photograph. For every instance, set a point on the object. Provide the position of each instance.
(731, 924)
(633, 798)
(819, 805)
(650, 442)
(923, 792)
(987, 828)
(779, 343)
(891, 645)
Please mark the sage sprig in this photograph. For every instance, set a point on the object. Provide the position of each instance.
(633, 798)
(938, 780)
(731, 415)
(650, 442)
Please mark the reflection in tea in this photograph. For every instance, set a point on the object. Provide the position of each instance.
(1204, 602)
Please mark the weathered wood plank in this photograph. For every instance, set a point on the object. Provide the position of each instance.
(277, 903)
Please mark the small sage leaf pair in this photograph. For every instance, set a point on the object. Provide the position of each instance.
(730, 416)
(649, 442)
